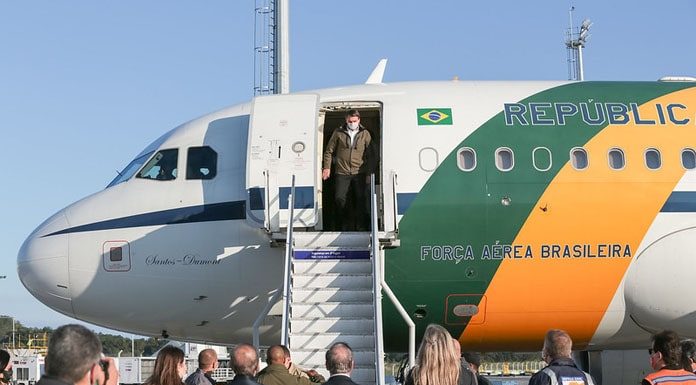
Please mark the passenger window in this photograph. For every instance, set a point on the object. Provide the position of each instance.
(466, 159)
(162, 166)
(578, 158)
(504, 159)
(616, 159)
(428, 159)
(653, 160)
(542, 159)
(201, 163)
(688, 158)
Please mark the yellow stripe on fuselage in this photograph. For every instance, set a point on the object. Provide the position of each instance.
(594, 206)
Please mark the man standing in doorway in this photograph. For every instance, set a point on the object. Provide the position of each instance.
(351, 152)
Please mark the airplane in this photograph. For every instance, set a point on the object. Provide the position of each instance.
(508, 207)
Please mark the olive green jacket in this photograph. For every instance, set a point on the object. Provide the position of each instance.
(278, 374)
(350, 160)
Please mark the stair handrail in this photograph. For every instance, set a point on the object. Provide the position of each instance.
(379, 276)
(284, 336)
(376, 285)
(256, 341)
(395, 200)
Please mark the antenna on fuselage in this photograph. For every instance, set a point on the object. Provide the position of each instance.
(575, 42)
(271, 47)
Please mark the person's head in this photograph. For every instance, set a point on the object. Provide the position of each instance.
(437, 363)
(339, 359)
(665, 351)
(245, 360)
(557, 344)
(474, 360)
(5, 366)
(278, 354)
(688, 349)
(353, 119)
(207, 360)
(73, 355)
(170, 367)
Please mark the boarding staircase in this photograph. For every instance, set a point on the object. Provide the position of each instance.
(332, 291)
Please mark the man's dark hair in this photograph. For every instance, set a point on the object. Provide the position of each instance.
(4, 359)
(339, 358)
(350, 113)
(688, 354)
(472, 358)
(245, 360)
(72, 351)
(667, 343)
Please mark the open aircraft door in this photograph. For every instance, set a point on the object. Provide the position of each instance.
(282, 142)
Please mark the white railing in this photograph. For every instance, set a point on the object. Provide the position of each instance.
(267, 201)
(257, 323)
(284, 336)
(380, 284)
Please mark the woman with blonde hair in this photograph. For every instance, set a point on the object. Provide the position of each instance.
(170, 367)
(438, 361)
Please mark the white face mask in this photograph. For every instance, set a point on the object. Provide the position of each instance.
(353, 125)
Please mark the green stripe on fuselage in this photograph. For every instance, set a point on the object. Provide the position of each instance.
(457, 208)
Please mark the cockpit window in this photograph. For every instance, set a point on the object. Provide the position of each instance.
(140, 159)
(162, 166)
(202, 163)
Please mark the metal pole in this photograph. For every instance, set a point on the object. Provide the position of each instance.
(13, 334)
(282, 44)
(288, 255)
(581, 73)
(132, 346)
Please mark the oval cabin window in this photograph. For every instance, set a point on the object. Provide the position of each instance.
(504, 159)
(428, 159)
(616, 159)
(688, 158)
(653, 160)
(578, 158)
(466, 159)
(541, 157)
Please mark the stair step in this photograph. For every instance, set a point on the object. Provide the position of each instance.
(331, 239)
(352, 281)
(332, 325)
(325, 340)
(316, 358)
(332, 294)
(345, 266)
(331, 253)
(332, 309)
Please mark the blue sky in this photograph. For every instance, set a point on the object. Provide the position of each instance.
(85, 85)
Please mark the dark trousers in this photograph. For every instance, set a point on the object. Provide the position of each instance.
(351, 216)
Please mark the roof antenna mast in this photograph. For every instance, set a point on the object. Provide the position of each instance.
(575, 42)
(271, 47)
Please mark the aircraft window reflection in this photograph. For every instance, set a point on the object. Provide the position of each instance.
(688, 159)
(162, 166)
(616, 159)
(653, 160)
(466, 159)
(578, 158)
(201, 163)
(131, 169)
(504, 159)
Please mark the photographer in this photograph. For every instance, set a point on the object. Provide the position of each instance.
(75, 358)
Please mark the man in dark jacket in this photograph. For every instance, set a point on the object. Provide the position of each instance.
(561, 368)
(245, 363)
(207, 363)
(474, 361)
(74, 358)
(339, 363)
(351, 152)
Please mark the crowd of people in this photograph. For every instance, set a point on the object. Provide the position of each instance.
(75, 358)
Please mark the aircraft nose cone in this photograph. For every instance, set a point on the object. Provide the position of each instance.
(42, 264)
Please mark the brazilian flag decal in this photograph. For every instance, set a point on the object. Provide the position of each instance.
(434, 116)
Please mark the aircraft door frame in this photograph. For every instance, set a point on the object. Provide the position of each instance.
(282, 142)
